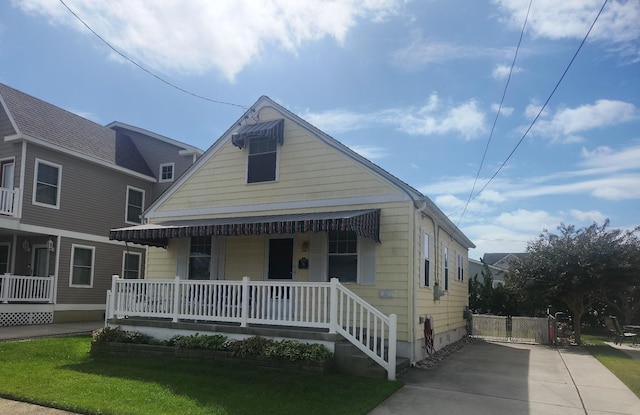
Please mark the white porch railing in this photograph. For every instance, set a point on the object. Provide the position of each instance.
(8, 201)
(295, 304)
(19, 288)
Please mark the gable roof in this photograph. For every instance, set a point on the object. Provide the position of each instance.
(420, 201)
(38, 121)
(496, 257)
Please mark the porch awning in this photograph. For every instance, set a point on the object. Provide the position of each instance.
(365, 223)
(271, 129)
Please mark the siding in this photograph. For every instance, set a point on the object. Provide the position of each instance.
(92, 197)
(308, 169)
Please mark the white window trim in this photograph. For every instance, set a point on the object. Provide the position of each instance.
(459, 266)
(126, 206)
(173, 173)
(124, 258)
(446, 270)
(277, 175)
(423, 256)
(35, 184)
(93, 265)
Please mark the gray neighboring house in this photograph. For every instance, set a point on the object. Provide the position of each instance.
(499, 264)
(65, 182)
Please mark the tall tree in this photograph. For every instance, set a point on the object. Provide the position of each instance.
(579, 267)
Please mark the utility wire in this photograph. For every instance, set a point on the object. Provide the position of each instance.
(215, 101)
(495, 120)
(545, 103)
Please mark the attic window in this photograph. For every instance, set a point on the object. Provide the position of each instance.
(270, 129)
(262, 160)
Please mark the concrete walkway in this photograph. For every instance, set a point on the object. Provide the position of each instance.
(500, 378)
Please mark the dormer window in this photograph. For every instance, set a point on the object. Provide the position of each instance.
(261, 164)
(262, 141)
(166, 172)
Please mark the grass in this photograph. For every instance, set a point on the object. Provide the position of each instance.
(626, 368)
(60, 373)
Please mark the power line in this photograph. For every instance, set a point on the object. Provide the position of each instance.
(545, 103)
(215, 101)
(495, 120)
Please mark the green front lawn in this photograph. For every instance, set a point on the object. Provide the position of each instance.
(619, 363)
(60, 373)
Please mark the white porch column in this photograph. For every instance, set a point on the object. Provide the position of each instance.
(176, 299)
(333, 306)
(111, 298)
(393, 338)
(244, 311)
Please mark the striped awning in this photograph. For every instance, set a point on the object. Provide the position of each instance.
(365, 223)
(271, 129)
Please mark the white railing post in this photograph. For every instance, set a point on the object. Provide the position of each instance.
(5, 289)
(176, 299)
(393, 329)
(244, 316)
(333, 306)
(111, 299)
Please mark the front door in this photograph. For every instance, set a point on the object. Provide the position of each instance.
(280, 259)
(40, 261)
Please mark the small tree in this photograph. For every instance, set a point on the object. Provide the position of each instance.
(578, 267)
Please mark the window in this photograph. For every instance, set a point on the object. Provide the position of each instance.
(200, 258)
(135, 205)
(343, 255)
(166, 172)
(131, 265)
(7, 168)
(460, 262)
(4, 258)
(46, 184)
(426, 266)
(82, 260)
(262, 160)
(445, 260)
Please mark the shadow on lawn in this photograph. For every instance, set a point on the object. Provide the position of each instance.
(241, 389)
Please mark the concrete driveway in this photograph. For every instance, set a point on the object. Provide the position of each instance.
(499, 378)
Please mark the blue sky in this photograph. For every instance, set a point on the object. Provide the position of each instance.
(412, 85)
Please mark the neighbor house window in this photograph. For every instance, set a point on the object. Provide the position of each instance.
(131, 262)
(200, 258)
(135, 205)
(460, 267)
(262, 160)
(343, 256)
(445, 260)
(426, 266)
(166, 172)
(46, 186)
(4, 258)
(82, 263)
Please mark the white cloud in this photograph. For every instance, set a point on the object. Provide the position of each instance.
(465, 119)
(502, 71)
(504, 111)
(588, 216)
(370, 152)
(552, 19)
(604, 159)
(200, 35)
(565, 124)
(527, 220)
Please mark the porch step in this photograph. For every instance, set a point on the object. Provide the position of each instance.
(348, 359)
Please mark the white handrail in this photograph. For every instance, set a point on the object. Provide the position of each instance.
(26, 288)
(328, 306)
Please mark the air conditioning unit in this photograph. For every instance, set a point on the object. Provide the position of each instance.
(437, 291)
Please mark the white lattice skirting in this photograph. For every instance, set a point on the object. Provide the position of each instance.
(26, 318)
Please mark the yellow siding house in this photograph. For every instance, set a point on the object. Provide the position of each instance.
(276, 199)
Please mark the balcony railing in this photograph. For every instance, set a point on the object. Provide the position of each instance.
(26, 289)
(8, 201)
(328, 306)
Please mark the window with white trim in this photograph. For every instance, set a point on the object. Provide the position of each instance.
(262, 160)
(166, 173)
(343, 255)
(82, 264)
(46, 184)
(460, 265)
(445, 262)
(426, 261)
(200, 258)
(131, 265)
(135, 205)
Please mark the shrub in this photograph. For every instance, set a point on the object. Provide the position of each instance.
(117, 335)
(197, 341)
(253, 346)
(293, 350)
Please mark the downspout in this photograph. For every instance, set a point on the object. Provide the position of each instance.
(415, 283)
